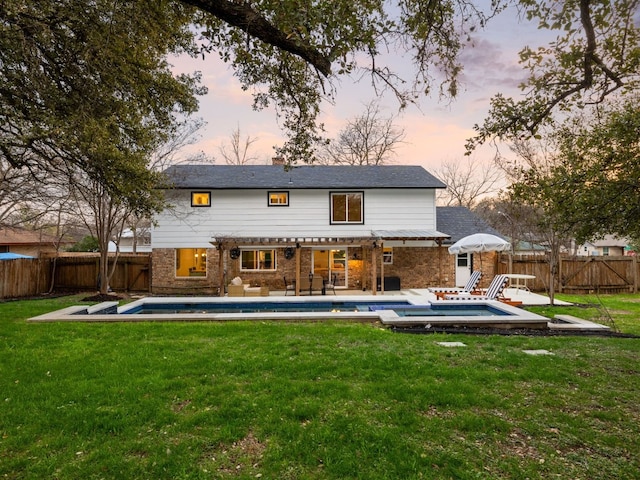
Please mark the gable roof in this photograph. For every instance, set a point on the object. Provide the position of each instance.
(213, 177)
(458, 222)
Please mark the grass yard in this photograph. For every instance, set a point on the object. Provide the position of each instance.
(312, 401)
(621, 311)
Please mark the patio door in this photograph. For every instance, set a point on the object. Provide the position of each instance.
(328, 263)
(464, 264)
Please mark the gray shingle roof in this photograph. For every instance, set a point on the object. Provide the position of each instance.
(460, 222)
(276, 177)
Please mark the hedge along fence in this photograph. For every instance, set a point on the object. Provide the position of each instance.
(24, 277)
(602, 274)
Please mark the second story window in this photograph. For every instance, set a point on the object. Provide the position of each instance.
(347, 207)
(278, 199)
(200, 199)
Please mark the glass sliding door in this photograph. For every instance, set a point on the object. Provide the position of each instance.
(329, 263)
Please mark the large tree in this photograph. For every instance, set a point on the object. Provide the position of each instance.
(593, 188)
(85, 84)
(296, 49)
(292, 54)
(59, 58)
(595, 57)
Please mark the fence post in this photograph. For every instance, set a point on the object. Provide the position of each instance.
(560, 262)
(126, 274)
(634, 265)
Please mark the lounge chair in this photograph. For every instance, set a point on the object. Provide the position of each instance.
(470, 288)
(494, 291)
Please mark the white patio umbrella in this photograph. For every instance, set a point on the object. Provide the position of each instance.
(479, 242)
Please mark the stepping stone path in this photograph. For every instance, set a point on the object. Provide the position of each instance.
(451, 344)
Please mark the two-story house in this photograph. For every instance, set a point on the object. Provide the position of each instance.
(264, 223)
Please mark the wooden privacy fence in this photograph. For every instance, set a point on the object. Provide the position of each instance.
(603, 274)
(28, 277)
(24, 277)
(81, 273)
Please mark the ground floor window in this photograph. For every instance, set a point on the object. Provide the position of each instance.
(259, 259)
(387, 255)
(191, 262)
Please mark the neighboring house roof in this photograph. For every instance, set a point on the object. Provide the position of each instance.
(610, 241)
(276, 177)
(22, 236)
(458, 222)
(525, 246)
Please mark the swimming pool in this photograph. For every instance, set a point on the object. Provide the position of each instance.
(396, 310)
(259, 307)
(403, 309)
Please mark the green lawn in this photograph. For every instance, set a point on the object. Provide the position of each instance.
(622, 311)
(328, 400)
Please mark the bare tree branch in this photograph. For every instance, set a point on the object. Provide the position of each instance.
(236, 152)
(467, 182)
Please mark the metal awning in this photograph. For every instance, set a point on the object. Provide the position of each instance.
(291, 241)
(410, 235)
(376, 235)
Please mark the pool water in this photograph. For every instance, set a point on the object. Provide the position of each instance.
(261, 307)
(438, 310)
(402, 309)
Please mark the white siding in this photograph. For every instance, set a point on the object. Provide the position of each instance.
(245, 213)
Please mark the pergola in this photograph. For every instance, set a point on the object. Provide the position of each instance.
(374, 243)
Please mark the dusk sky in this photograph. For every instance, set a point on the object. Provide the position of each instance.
(435, 132)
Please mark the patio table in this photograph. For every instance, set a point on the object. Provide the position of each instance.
(519, 280)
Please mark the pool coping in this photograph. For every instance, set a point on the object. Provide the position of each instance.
(516, 317)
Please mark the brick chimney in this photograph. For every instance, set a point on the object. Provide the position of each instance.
(277, 161)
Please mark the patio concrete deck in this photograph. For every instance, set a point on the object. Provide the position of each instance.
(527, 298)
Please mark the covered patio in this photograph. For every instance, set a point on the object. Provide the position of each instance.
(369, 247)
